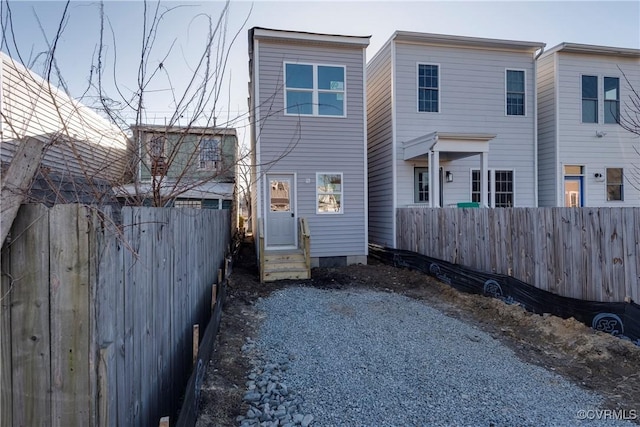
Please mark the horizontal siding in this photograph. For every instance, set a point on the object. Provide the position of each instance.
(579, 144)
(81, 142)
(379, 148)
(307, 145)
(472, 93)
(547, 161)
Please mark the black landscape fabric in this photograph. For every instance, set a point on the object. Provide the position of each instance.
(618, 318)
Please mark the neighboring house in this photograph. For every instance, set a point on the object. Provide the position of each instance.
(585, 157)
(191, 167)
(85, 154)
(451, 122)
(308, 125)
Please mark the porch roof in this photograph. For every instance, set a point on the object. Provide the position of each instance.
(451, 146)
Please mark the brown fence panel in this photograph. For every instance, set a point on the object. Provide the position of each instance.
(585, 253)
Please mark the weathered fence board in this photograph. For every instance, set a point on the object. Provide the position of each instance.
(100, 319)
(30, 320)
(586, 253)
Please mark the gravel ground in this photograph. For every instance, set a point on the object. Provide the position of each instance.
(366, 358)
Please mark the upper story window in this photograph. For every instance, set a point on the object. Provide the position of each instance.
(589, 99)
(611, 99)
(157, 155)
(515, 92)
(314, 90)
(209, 153)
(428, 88)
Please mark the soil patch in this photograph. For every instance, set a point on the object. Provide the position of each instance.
(596, 361)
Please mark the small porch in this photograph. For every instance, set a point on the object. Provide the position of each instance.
(286, 264)
(436, 147)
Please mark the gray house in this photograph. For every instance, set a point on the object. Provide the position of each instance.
(308, 134)
(585, 157)
(451, 122)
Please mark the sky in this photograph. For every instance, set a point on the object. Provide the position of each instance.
(183, 29)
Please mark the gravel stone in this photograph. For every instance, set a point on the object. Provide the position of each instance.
(366, 358)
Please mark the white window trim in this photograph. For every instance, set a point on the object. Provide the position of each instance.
(315, 91)
(597, 122)
(417, 91)
(606, 184)
(341, 212)
(604, 101)
(492, 184)
(506, 92)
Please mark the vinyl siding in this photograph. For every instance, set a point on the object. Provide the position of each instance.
(379, 148)
(578, 142)
(547, 107)
(472, 100)
(83, 142)
(307, 145)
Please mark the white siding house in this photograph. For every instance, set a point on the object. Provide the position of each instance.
(585, 157)
(451, 120)
(308, 125)
(80, 142)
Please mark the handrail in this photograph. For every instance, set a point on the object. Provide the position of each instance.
(261, 254)
(304, 238)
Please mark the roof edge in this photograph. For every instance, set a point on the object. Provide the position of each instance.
(590, 49)
(466, 41)
(274, 34)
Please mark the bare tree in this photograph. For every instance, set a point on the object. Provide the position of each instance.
(629, 119)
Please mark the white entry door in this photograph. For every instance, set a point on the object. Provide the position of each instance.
(281, 218)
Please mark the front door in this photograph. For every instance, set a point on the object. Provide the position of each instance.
(281, 218)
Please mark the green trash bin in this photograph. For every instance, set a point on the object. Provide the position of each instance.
(468, 204)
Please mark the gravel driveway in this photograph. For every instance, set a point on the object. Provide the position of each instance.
(367, 358)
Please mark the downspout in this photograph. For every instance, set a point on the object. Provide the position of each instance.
(535, 126)
(394, 148)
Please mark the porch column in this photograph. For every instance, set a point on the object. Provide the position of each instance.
(484, 182)
(434, 179)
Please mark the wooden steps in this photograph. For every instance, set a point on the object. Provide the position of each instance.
(283, 265)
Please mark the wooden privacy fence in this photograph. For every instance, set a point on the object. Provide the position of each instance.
(96, 320)
(585, 253)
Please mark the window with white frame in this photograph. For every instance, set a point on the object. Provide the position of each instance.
(589, 99)
(421, 185)
(501, 189)
(515, 92)
(209, 153)
(329, 193)
(428, 88)
(615, 187)
(611, 99)
(314, 90)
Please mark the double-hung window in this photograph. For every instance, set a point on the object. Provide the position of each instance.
(501, 191)
(209, 153)
(329, 193)
(314, 90)
(611, 99)
(515, 92)
(615, 184)
(428, 88)
(589, 99)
